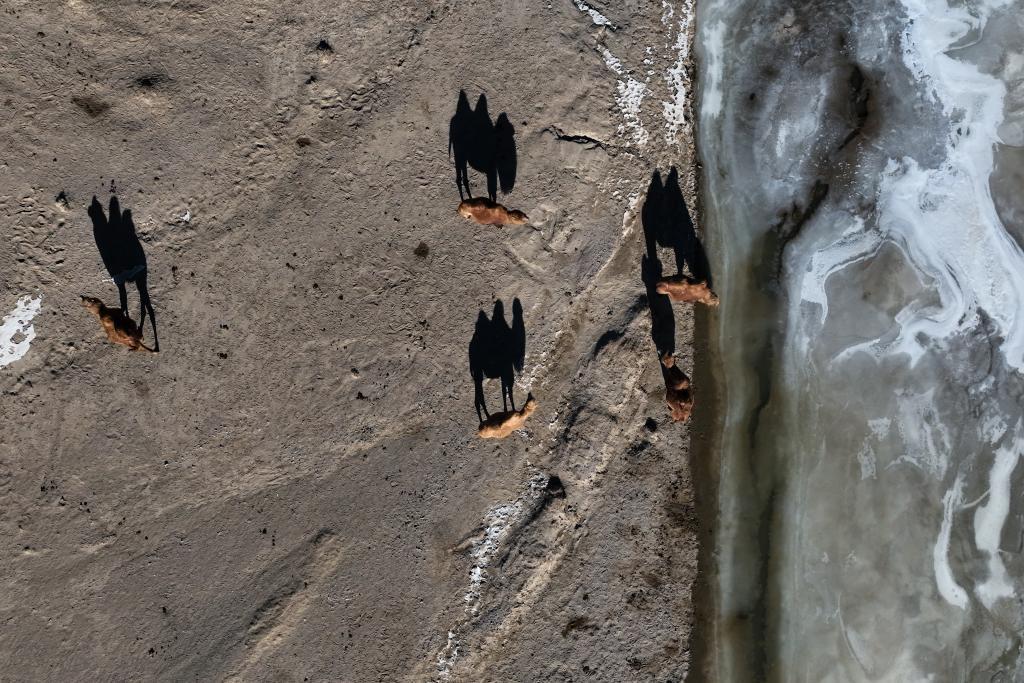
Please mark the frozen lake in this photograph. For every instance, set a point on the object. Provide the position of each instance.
(863, 170)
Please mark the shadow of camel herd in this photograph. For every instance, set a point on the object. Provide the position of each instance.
(497, 349)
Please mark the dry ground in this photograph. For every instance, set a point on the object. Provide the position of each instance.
(292, 488)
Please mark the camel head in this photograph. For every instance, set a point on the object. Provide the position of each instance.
(91, 303)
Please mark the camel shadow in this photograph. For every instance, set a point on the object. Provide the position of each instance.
(497, 351)
(663, 321)
(667, 223)
(123, 257)
(490, 148)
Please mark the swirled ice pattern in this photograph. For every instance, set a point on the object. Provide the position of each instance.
(864, 183)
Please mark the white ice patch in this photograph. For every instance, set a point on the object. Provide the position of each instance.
(630, 97)
(537, 365)
(988, 526)
(629, 215)
(611, 61)
(498, 520)
(17, 330)
(949, 589)
(866, 460)
(880, 427)
(945, 214)
(595, 16)
(866, 456)
(629, 92)
(853, 245)
(711, 100)
(946, 217)
(925, 436)
(993, 427)
(676, 110)
(960, 244)
(447, 657)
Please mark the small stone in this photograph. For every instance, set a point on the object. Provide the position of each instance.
(554, 487)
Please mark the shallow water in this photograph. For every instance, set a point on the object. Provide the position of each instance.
(863, 167)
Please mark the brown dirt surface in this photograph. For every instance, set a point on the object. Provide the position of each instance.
(293, 488)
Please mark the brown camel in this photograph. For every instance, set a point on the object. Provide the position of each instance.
(687, 290)
(500, 425)
(677, 389)
(486, 212)
(119, 327)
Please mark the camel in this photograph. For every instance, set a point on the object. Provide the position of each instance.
(487, 212)
(677, 389)
(500, 425)
(119, 327)
(687, 290)
(123, 257)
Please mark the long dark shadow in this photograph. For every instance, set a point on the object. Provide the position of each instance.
(123, 257)
(672, 227)
(474, 141)
(497, 351)
(663, 321)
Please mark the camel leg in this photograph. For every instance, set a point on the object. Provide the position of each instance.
(492, 184)
(462, 178)
(146, 306)
(122, 292)
(506, 391)
(478, 397)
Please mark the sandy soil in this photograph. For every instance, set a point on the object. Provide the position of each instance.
(292, 488)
